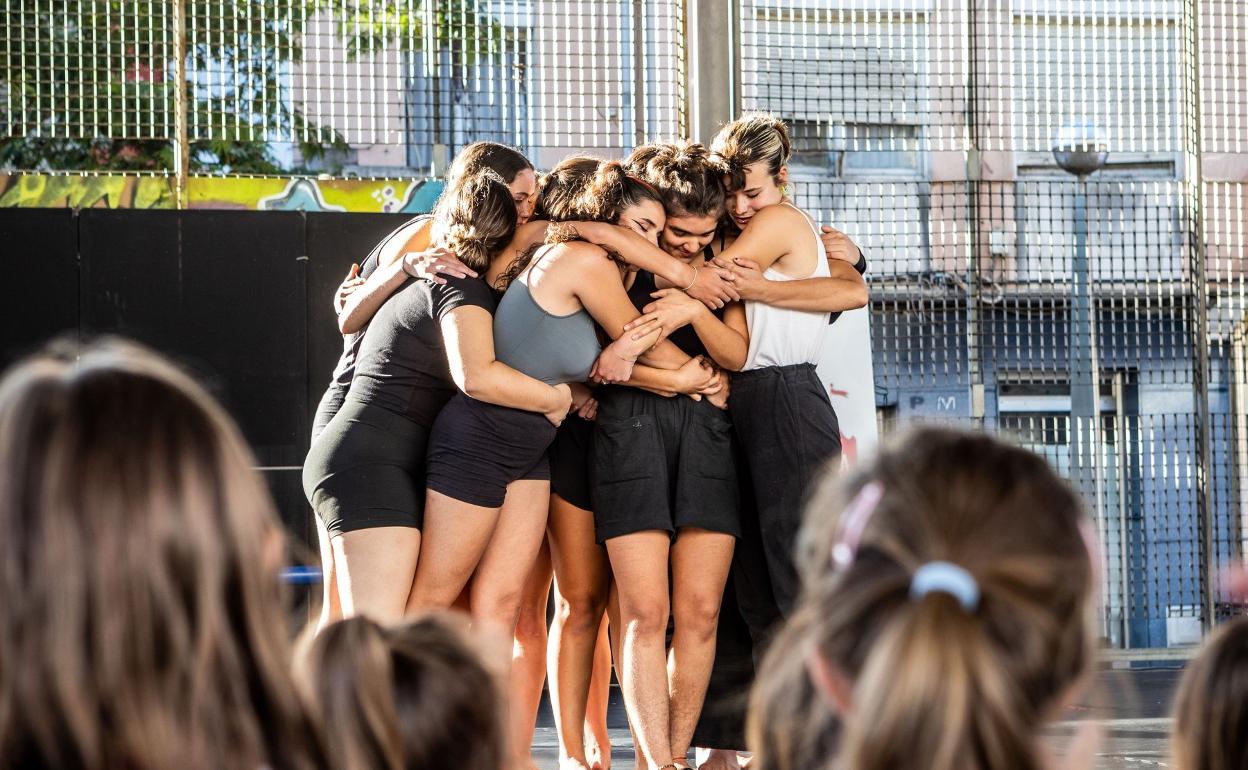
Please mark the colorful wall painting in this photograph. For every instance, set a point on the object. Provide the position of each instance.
(120, 191)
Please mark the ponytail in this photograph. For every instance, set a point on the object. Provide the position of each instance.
(934, 687)
(951, 582)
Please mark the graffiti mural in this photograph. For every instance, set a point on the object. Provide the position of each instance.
(119, 191)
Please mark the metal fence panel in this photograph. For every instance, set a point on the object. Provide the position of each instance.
(921, 127)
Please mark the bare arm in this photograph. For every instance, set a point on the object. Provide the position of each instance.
(673, 309)
(364, 302)
(696, 378)
(468, 332)
(600, 291)
(713, 287)
(844, 290)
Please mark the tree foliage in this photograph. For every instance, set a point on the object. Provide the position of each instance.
(93, 84)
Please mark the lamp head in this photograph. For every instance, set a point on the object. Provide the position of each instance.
(1080, 148)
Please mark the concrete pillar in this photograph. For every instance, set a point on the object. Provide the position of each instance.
(714, 66)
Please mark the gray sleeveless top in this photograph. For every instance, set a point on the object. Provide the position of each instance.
(551, 348)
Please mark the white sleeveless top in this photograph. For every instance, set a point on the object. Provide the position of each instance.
(783, 337)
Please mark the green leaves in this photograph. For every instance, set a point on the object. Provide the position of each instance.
(93, 83)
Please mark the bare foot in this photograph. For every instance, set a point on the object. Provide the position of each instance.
(717, 759)
(596, 756)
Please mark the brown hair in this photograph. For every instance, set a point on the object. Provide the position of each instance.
(142, 624)
(559, 191)
(411, 697)
(475, 218)
(505, 161)
(685, 174)
(611, 190)
(934, 683)
(603, 195)
(1211, 706)
(754, 137)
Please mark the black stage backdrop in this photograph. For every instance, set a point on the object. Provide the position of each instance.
(242, 299)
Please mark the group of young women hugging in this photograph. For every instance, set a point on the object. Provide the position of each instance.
(945, 620)
(606, 376)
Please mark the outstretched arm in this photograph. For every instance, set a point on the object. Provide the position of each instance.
(710, 286)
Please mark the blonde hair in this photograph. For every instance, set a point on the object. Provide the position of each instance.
(752, 138)
(143, 620)
(410, 697)
(475, 218)
(1211, 706)
(935, 683)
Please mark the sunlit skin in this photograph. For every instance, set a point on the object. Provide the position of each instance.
(686, 236)
(646, 218)
(760, 190)
(524, 193)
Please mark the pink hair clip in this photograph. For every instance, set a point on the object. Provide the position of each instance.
(856, 517)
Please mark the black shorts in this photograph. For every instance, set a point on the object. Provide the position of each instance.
(661, 463)
(569, 461)
(367, 469)
(332, 400)
(477, 449)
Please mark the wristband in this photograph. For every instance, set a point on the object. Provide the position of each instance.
(695, 280)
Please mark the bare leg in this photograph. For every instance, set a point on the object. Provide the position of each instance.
(498, 584)
(455, 537)
(374, 569)
(331, 605)
(528, 656)
(582, 576)
(700, 564)
(639, 563)
(599, 751)
(615, 637)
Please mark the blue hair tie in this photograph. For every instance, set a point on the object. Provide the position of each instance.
(947, 578)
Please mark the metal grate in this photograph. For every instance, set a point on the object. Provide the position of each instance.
(925, 130)
(921, 127)
(386, 87)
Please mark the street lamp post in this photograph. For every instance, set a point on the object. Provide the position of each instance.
(1080, 150)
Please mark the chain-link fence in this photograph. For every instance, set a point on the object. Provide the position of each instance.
(1104, 321)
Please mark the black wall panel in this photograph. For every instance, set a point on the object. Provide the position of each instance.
(241, 298)
(334, 242)
(242, 308)
(131, 282)
(39, 259)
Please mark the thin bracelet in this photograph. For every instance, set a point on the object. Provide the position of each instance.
(695, 279)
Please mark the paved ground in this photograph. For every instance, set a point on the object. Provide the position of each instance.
(1131, 707)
